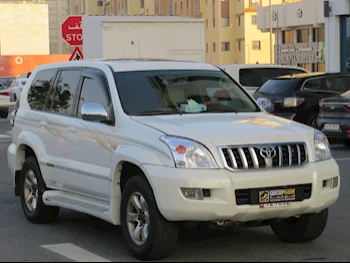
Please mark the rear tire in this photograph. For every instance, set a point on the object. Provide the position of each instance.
(32, 188)
(160, 234)
(301, 230)
(312, 122)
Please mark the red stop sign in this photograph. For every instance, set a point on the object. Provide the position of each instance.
(72, 31)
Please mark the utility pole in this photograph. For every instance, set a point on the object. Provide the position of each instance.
(271, 47)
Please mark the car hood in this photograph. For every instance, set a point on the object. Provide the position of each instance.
(229, 128)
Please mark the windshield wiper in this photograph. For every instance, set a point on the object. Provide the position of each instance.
(155, 112)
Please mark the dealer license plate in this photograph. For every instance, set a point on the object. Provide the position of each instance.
(277, 196)
(270, 205)
(331, 127)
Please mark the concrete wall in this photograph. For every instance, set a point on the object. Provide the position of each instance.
(24, 29)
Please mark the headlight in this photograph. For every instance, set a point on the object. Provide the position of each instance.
(322, 148)
(189, 154)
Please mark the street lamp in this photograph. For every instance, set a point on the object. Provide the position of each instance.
(270, 11)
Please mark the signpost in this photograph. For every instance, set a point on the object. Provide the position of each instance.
(76, 55)
(72, 31)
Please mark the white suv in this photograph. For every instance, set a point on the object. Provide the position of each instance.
(150, 145)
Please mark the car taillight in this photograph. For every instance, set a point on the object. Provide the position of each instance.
(292, 102)
(321, 105)
(5, 94)
(347, 107)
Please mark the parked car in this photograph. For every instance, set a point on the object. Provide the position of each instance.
(297, 97)
(25, 75)
(253, 76)
(7, 81)
(4, 98)
(151, 145)
(16, 88)
(334, 117)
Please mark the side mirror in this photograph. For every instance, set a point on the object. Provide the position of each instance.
(265, 105)
(94, 112)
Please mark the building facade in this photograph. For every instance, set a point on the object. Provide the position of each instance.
(21, 32)
(337, 24)
(299, 33)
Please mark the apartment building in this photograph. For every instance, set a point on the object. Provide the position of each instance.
(86, 7)
(21, 33)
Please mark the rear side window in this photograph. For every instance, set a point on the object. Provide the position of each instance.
(40, 87)
(278, 86)
(256, 77)
(339, 84)
(65, 92)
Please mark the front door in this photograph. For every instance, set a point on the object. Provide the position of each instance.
(90, 152)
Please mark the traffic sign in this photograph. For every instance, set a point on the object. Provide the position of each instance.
(76, 55)
(72, 31)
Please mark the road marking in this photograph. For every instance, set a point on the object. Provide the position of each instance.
(342, 159)
(3, 136)
(74, 252)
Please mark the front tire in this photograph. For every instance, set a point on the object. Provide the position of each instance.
(304, 229)
(32, 188)
(149, 236)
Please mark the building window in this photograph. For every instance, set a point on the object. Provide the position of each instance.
(207, 47)
(181, 5)
(225, 46)
(187, 4)
(256, 45)
(214, 22)
(303, 36)
(254, 20)
(239, 21)
(239, 45)
(254, 3)
(142, 3)
(206, 23)
(225, 21)
(99, 3)
(288, 37)
(214, 47)
(318, 34)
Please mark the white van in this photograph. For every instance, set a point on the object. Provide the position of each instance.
(253, 76)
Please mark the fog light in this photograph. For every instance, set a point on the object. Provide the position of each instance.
(192, 193)
(334, 182)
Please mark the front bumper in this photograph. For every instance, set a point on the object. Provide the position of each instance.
(221, 205)
(344, 126)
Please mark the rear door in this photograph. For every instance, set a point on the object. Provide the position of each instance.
(317, 88)
(55, 123)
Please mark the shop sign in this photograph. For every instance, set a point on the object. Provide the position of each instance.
(301, 53)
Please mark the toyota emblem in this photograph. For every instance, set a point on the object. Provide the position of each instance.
(268, 152)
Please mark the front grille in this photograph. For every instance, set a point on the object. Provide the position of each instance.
(252, 157)
(250, 196)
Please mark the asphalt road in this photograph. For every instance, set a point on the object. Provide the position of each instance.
(83, 238)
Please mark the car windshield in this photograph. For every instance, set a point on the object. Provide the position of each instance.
(6, 81)
(181, 91)
(278, 86)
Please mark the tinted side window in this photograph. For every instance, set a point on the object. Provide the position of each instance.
(65, 92)
(94, 90)
(39, 89)
(312, 84)
(256, 77)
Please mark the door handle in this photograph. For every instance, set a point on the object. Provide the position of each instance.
(43, 123)
(73, 129)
